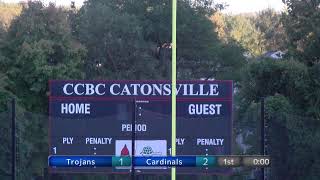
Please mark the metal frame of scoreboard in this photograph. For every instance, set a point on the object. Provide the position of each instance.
(227, 91)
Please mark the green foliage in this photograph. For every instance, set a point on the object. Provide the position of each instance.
(40, 47)
(146, 25)
(292, 79)
(2, 33)
(116, 47)
(269, 23)
(276, 108)
(303, 28)
(5, 96)
(269, 77)
(313, 95)
(291, 114)
(200, 52)
(37, 47)
(294, 150)
(291, 86)
(5, 125)
(256, 32)
(242, 30)
(277, 104)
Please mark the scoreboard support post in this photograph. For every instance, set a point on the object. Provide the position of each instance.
(174, 81)
(133, 138)
(262, 135)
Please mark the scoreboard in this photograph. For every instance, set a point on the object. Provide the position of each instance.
(94, 119)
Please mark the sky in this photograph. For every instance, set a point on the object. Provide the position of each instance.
(235, 6)
(247, 6)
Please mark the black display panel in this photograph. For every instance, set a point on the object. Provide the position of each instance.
(95, 118)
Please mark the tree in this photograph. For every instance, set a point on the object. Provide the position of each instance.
(2, 32)
(201, 54)
(256, 32)
(8, 12)
(220, 23)
(269, 77)
(241, 29)
(37, 47)
(269, 23)
(292, 91)
(149, 24)
(2, 41)
(40, 47)
(313, 95)
(292, 124)
(116, 47)
(293, 152)
(302, 24)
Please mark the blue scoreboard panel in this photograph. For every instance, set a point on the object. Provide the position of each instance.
(94, 119)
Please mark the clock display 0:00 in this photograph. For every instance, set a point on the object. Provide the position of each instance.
(261, 162)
